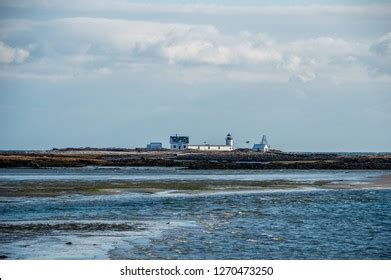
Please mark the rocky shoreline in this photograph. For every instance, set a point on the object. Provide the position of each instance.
(240, 159)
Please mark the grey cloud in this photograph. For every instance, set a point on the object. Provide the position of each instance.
(379, 60)
(383, 46)
(102, 46)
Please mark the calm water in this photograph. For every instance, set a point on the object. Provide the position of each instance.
(282, 224)
(158, 174)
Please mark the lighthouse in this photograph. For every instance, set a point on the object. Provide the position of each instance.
(228, 146)
(229, 141)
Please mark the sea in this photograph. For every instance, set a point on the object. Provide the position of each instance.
(306, 222)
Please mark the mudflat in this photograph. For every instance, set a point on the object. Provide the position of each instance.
(180, 213)
(77, 181)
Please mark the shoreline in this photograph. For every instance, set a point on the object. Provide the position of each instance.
(194, 160)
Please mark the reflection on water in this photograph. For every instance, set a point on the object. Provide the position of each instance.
(287, 224)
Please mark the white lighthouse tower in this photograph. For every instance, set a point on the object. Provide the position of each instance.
(229, 141)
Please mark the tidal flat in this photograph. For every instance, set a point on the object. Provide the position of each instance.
(53, 188)
(176, 213)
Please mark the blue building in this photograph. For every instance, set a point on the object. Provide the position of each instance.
(263, 146)
(154, 146)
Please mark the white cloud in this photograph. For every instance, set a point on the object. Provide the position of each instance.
(177, 43)
(218, 49)
(99, 45)
(12, 55)
(300, 69)
(306, 58)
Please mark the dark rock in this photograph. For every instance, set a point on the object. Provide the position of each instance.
(238, 159)
(68, 243)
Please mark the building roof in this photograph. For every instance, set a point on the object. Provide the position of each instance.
(259, 146)
(179, 139)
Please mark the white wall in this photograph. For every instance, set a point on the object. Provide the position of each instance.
(178, 146)
(210, 147)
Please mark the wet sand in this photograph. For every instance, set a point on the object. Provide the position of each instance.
(384, 181)
(66, 188)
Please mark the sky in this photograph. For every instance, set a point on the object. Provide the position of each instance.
(311, 75)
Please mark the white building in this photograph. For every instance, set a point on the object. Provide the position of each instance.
(229, 142)
(263, 146)
(179, 142)
(182, 143)
(154, 146)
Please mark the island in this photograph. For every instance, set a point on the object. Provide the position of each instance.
(192, 159)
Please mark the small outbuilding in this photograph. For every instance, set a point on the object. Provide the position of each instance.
(154, 146)
(262, 147)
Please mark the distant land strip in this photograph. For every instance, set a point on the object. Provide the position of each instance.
(238, 159)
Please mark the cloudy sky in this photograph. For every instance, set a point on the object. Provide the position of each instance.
(312, 75)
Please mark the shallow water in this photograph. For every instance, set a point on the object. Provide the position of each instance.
(161, 173)
(281, 224)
